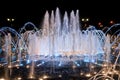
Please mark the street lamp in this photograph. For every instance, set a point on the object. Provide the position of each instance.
(85, 19)
(10, 20)
(85, 22)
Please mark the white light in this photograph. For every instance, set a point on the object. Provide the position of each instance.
(19, 78)
(8, 19)
(87, 19)
(83, 19)
(81, 73)
(13, 19)
(60, 75)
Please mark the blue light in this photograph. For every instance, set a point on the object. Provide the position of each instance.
(42, 62)
(21, 64)
(28, 61)
(60, 64)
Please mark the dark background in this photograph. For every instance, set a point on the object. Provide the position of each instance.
(33, 10)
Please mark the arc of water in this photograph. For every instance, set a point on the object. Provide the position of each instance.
(114, 25)
(24, 27)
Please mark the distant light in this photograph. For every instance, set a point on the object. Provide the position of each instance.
(87, 19)
(60, 75)
(83, 19)
(13, 19)
(99, 23)
(10, 19)
(111, 22)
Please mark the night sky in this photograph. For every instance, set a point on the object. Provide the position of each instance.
(24, 11)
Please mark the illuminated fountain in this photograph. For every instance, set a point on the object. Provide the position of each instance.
(64, 38)
(59, 47)
(9, 39)
(111, 69)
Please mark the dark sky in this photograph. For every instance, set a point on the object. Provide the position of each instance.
(34, 10)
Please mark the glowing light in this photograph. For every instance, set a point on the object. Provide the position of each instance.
(45, 76)
(111, 22)
(10, 19)
(19, 78)
(60, 75)
(87, 19)
(2, 79)
(81, 73)
(99, 23)
(103, 72)
(83, 19)
(40, 79)
(9, 66)
(27, 66)
(17, 65)
(88, 75)
(31, 77)
(95, 72)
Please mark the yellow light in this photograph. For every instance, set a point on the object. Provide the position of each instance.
(2, 79)
(31, 77)
(45, 76)
(9, 66)
(40, 79)
(19, 78)
(88, 75)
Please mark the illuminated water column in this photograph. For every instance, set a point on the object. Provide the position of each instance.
(8, 69)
